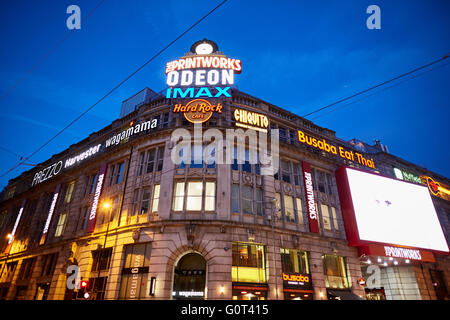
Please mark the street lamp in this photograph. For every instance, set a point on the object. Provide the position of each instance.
(10, 238)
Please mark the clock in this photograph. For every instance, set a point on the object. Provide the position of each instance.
(204, 47)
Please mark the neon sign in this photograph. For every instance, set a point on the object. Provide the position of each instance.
(437, 189)
(198, 110)
(310, 200)
(98, 192)
(50, 214)
(251, 120)
(343, 153)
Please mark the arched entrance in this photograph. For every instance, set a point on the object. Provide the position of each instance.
(189, 277)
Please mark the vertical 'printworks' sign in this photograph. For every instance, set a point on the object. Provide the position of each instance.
(50, 214)
(310, 200)
(98, 191)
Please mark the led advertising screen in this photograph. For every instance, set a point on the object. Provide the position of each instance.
(384, 210)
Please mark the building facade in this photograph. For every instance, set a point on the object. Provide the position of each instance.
(200, 228)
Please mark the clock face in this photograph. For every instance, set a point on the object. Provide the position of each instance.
(204, 48)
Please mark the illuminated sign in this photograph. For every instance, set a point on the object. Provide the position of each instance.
(47, 173)
(437, 189)
(188, 294)
(402, 253)
(98, 192)
(310, 200)
(125, 134)
(343, 153)
(198, 92)
(251, 120)
(203, 62)
(198, 110)
(362, 281)
(407, 176)
(86, 154)
(205, 73)
(387, 211)
(399, 252)
(50, 214)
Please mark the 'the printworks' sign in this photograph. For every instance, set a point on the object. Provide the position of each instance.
(336, 150)
(310, 200)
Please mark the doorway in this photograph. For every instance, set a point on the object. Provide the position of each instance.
(189, 277)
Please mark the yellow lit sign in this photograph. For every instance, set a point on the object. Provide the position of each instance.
(341, 151)
(198, 110)
(251, 120)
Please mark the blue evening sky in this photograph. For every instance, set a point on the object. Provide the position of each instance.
(299, 55)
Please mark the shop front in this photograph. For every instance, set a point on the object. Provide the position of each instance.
(297, 282)
(189, 277)
(249, 272)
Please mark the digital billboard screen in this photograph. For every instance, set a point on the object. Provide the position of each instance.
(385, 210)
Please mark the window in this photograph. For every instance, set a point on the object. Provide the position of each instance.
(48, 264)
(3, 217)
(116, 174)
(194, 196)
(10, 270)
(298, 203)
(235, 198)
(248, 263)
(151, 160)
(335, 271)
(195, 192)
(178, 197)
(164, 120)
(247, 199)
(297, 174)
(247, 158)
(85, 212)
(325, 217)
(26, 269)
(113, 211)
(334, 217)
(289, 208)
(102, 259)
(98, 287)
(155, 200)
(259, 201)
(323, 182)
(61, 224)
(92, 180)
(278, 204)
(210, 196)
(196, 156)
(134, 282)
(145, 203)
(286, 171)
(69, 192)
(294, 261)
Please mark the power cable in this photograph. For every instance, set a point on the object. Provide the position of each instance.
(379, 91)
(115, 88)
(378, 85)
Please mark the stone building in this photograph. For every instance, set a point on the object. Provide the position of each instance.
(117, 211)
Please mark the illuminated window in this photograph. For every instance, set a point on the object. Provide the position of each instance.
(61, 224)
(325, 217)
(134, 281)
(278, 205)
(155, 200)
(298, 203)
(69, 192)
(178, 197)
(334, 217)
(289, 208)
(194, 192)
(249, 263)
(294, 261)
(335, 271)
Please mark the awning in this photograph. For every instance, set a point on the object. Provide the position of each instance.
(344, 295)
